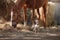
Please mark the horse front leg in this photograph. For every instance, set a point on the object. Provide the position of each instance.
(13, 18)
(38, 14)
(14, 21)
(25, 19)
(33, 21)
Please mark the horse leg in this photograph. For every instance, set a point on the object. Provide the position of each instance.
(15, 18)
(14, 22)
(32, 17)
(12, 19)
(45, 10)
(25, 9)
(38, 14)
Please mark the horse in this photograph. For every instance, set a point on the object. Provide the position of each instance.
(33, 4)
(36, 4)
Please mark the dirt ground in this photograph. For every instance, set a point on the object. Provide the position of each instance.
(43, 34)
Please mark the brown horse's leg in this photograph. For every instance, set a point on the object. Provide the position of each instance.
(15, 17)
(45, 10)
(38, 14)
(25, 9)
(14, 21)
(33, 17)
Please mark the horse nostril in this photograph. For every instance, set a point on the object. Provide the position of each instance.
(14, 24)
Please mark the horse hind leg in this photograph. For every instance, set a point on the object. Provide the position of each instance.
(32, 17)
(38, 14)
(44, 20)
(25, 9)
(35, 21)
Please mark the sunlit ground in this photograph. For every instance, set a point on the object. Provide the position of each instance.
(7, 32)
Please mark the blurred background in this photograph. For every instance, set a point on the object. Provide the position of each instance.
(57, 10)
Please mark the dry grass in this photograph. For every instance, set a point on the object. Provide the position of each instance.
(21, 26)
(5, 25)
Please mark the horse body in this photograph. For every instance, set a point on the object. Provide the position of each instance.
(32, 4)
(36, 4)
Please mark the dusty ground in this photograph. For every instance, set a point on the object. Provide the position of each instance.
(48, 34)
(9, 33)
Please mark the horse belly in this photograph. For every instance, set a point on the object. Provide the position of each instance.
(34, 4)
(39, 3)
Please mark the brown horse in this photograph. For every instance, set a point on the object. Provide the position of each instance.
(33, 4)
(36, 4)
